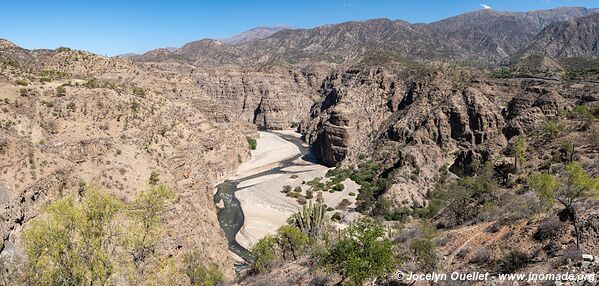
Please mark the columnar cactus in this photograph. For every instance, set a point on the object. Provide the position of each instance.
(310, 219)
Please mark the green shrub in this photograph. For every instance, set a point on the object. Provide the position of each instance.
(286, 189)
(513, 261)
(21, 82)
(139, 91)
(252, 143)
(424, 250)
(292, 242)
(309, 194)
(71, 106)
(201, 273)
(552, 129)
(338, 187)
(264, 254)
(61, 90)
(298, 189)
(361, 253)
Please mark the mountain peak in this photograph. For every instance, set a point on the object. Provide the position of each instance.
(6, 44)
(252, 34)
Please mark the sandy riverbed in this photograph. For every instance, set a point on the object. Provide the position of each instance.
(265, 207)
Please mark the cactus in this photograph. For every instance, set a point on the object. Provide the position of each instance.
(310, 219)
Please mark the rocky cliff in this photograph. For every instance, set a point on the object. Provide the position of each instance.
(414, 122)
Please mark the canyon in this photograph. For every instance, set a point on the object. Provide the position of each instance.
(416, 101)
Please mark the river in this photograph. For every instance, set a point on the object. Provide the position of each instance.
(231, 217)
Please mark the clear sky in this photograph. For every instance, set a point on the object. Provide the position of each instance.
(112, 27)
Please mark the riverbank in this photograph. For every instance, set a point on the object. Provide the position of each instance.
(264, 206)
(251, 204)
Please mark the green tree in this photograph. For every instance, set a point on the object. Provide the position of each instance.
(71, 244)
(545, 186)
(146, 212)
(361, 253)
(264, 253)
(574, 186)
(519, 151)
(292, 241)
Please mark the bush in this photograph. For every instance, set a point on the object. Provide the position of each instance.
(549, 229)
(337, 216)
(424, 250)
(481, 257)
(292, 241)
(286, 189)
(264, 254)
(70, 241)
(552, 129)
(338, 187)
(309, 194)
(513, 261)
(462, 253)
(21, 82)
(361, 253)
(71, 106)
(252, 143)
(61, 91)
(294, 176)
(139, 91)
(343, 205)
(201, 274)
(302, 200)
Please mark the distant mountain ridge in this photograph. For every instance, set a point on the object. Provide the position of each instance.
(252, 34)
(575, 38)
(486, 35)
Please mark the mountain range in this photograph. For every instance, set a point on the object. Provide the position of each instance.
(485, 36)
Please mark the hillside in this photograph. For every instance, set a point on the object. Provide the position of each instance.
(467, 144)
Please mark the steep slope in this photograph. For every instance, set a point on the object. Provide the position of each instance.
(252, 34)
(575, 38)
(71, 116)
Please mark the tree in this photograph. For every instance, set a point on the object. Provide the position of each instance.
(466, 196)
(544, 185)
(519, 151)
(94, 240)
(361, 253)
(292, 241)
(146, 212)
(71, 244)
(264, 253)
(424, 249)
(568, 150)
(576, 185)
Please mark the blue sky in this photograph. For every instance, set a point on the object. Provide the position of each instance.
(114, 27)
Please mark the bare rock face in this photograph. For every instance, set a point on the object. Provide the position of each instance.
(271, 100)
(416, 124)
